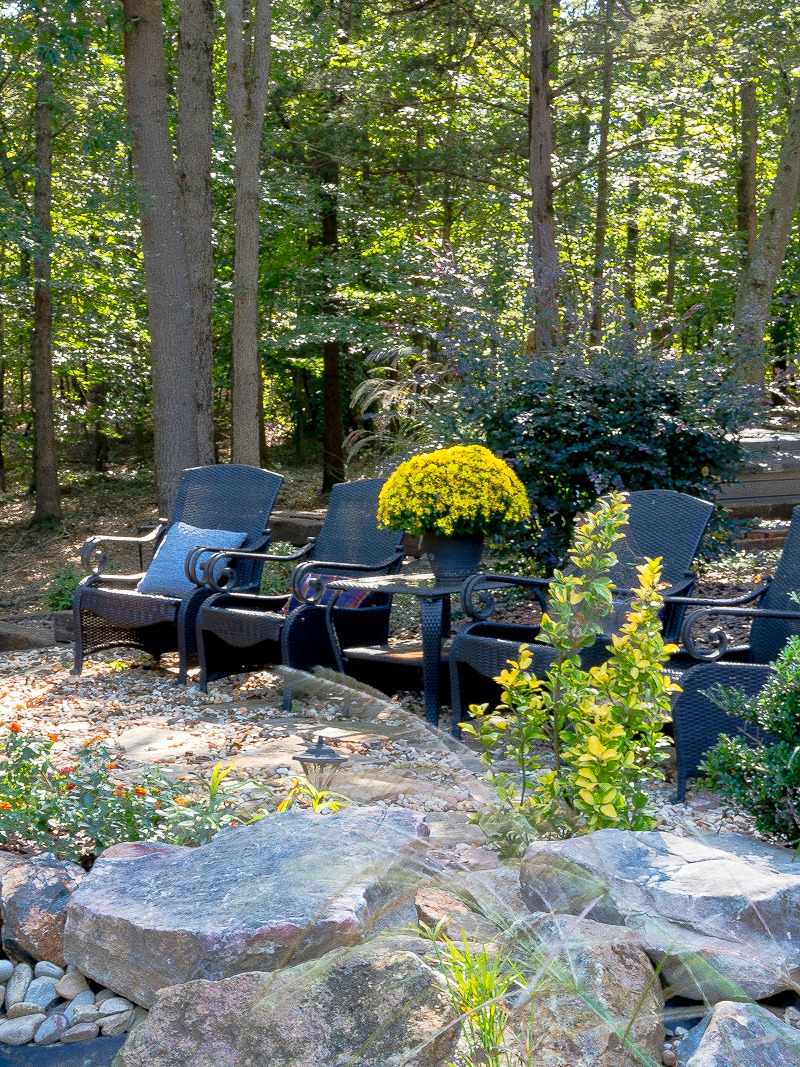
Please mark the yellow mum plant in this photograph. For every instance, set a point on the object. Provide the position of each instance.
(453, 492)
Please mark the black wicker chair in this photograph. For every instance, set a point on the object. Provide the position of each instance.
(698, 722)
(237, 632)
(661, 523)
(775, 618)
(109, 611)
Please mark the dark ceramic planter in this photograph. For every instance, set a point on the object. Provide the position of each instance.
(453, 559)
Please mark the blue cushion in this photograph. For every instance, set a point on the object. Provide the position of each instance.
(165, 576)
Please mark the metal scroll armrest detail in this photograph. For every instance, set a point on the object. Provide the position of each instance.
(476, 592)
(94, 558)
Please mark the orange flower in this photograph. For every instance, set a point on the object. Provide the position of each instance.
(119, 792)
(53, 737)
(139, 791)
(159, 804)
(69, 785)
(91, 741)
(4, 805)
(15, 726)
(66, 770)
(111, 766)
(180, 801)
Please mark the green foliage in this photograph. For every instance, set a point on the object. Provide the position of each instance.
(763, 778)
(476, 982)
(321, 801)
(59, 593)
(206, 808)
(601, 726)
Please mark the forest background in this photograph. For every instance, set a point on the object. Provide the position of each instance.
(221, 222)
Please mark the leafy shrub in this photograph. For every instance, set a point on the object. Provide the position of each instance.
(59, 593)
(627, 415)
(764, 779)
(602, 726)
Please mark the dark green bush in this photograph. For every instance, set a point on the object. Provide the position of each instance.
(764, 779)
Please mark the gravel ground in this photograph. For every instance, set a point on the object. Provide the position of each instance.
(146, 719)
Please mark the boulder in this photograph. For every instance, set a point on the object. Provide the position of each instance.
(370, 1006)
(33, 899)
(255, 898)
(599, 1003)
(721, 915)
(734, 1034)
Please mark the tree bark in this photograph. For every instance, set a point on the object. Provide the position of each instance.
(631, 249)
(332, 430)
(169, 304)
(45, 469)
(195, 114)
(248, 65)
(601, 207)
(746, 215)
(543, 253)
(760, 273)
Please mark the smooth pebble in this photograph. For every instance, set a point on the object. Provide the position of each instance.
(18, 1011)
(51, 1030)
(80, 1032)
(48, 970)
(6, 970)
(115, 1025)
(72, 985)
(115, 1005)
(82, 998)
(18, 984)
(20, 1031)
(42, 991)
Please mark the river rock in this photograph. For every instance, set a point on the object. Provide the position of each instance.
(51, 1030)
(113, 1005)
(24, 1007)
(33, 898)
(17, 985)
(721, 914)
(599, 1003)
(372, 1006)
(87, 997)
(45, 969)
(6, 970)
(115, 1025)
(20, 1031)
(735, 1034)
(42, 991)
(80, 1032)
(71, 985)
(288, 888)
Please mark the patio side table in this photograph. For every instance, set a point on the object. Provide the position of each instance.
(434, 599)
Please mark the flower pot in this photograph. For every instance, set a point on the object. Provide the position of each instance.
(453, 559)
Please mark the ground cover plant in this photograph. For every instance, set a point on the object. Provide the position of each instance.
(602, 728)
(763, 778)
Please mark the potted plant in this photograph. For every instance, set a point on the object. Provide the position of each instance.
(453, 497)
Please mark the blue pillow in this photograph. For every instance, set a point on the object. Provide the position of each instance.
(165, 576)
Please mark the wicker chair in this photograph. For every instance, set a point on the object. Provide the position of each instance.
(775, 618)
(661, 523)
(698, 722)
(109, 611)
(237, 632)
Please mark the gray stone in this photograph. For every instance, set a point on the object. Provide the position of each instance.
(104, 994)
(71, 985)
(51, 1030)
(114, 1005)
(33, 899)
(80, 1032)
(6, 970)
(20, 1031)
(286, 889)
(86, 1013)
(45, 969)
(42, 991)
(720, 914)
(745, 1034)
(80, 1000)
(370, 1006)
(24, 1007)
(599, 1003)
(115, 1025)
(17, 985)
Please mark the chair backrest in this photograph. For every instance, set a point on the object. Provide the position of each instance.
(768, 636)
(229, 496)
(697, 722)
(350, 533)
(661, 522)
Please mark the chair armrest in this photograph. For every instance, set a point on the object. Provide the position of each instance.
(94, 558)
(720, 637)
(192, 564)
(712, 602)
(476, 595)
(321, 566)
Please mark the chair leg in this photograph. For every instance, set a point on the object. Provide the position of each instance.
(77, 640)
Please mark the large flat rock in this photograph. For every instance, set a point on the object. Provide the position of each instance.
(256, 898)
(372, 1006)
(721, 914)
(740, 1035)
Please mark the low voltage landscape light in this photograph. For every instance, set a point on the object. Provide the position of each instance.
(320, 764)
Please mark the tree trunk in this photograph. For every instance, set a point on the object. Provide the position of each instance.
(332, 431)
(631, 249)
(747, 220)
(760, 273)
(48, 501)
(601, 207)
(195, 112)
(248, 63)
(166, 268)
(543, 254)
